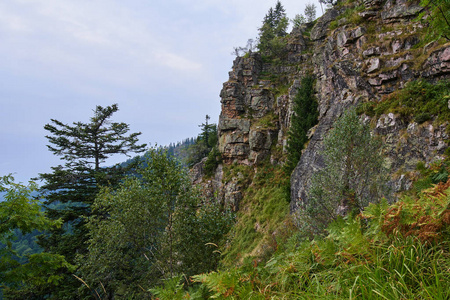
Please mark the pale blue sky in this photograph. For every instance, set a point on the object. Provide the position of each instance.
(163, 62)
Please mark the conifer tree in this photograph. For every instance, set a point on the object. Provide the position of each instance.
(205, 142)
(304, 117)
(72, 187)
(274, 27)
(310, 12)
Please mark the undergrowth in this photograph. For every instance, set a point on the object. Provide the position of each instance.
(419, 101)
(389, 251)
(263, 212)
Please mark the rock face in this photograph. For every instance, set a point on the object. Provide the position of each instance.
(353, 63)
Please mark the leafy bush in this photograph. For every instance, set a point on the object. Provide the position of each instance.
(213, 160)
(353, 176)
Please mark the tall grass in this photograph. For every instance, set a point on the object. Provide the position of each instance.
(388, 252)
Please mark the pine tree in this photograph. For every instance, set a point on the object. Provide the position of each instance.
(304, 117)
(274, 27)
(205, 142)
(73, 186)
(310, 12)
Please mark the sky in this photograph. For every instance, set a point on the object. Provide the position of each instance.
(162, 61)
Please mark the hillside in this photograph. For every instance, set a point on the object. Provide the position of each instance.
(326, 177)
(380, 58)
(362, 55)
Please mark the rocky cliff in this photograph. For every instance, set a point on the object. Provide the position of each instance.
(357, 53)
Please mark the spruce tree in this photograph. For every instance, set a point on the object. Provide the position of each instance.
(305, 114)
(71, 188)
(274, 27)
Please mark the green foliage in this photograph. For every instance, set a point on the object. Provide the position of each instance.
(310, 12)
(419, 101)
(213, 161)
(262, 211)
(436, 173)
(354, 175)
(368, 256)
(204, 143)
(298, 21)
(23, 276)
(271, 33)
(171, 290)
(83, 147)
(268, 121)
(152, 226)
(438, 17)
(304, 117)
(350, 15)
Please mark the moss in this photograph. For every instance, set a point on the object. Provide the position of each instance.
(267, 122)
(351, 14)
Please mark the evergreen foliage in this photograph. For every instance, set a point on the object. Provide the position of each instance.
(298, 21)
(205, 142)
(304, 117)
(273, 30)
(354, 175)
(310, 12)
(212, 162)
(83, 147)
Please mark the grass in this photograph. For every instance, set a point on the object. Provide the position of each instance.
(366, 257)
(419, 101)
(267, 122)
(351, 15)
(264, 210)
(389, 251)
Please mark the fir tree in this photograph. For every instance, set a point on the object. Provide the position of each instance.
(304, 117)
(274, 27)
(83, 147)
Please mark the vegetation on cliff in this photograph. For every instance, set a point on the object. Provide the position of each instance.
(145, 231)
(303, 119)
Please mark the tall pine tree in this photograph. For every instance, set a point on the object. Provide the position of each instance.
(71, 188)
